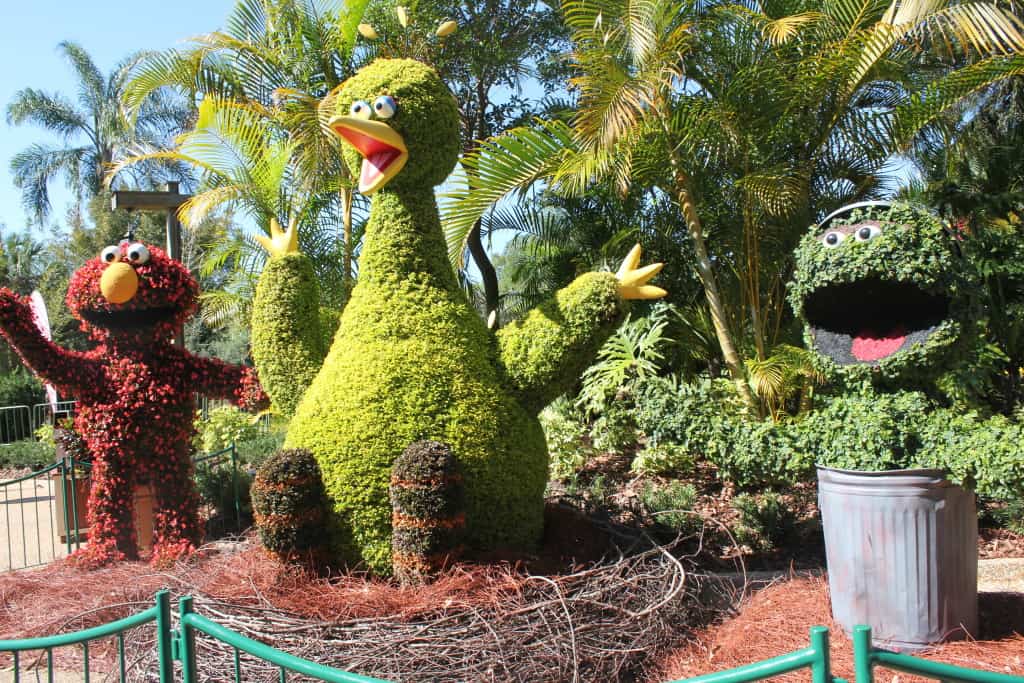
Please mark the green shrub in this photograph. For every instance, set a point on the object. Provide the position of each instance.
(663, 458)
(1011, 515)
(287, 346)
(289, 505)
(27, 453)
(216, 487)
(614, 431)
(223, 427)
(19, 387)
(564, 432)
(766, 522)
(254, 452)
(668, 505)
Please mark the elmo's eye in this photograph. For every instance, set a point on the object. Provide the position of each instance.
(868, 232)
(833, 239)
(110, 254)
(360, 109)
(138, 254)
(385, 106)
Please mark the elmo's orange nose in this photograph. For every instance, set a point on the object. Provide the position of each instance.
(119, 283)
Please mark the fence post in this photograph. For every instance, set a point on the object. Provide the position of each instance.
(862, 664)
(186, 642)
(821, 669)
(165, 658)
(234, 480)
(67, 508)
(74, 505)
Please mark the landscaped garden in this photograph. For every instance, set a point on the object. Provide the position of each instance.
(500, 340)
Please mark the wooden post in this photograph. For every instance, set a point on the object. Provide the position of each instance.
(169, 201)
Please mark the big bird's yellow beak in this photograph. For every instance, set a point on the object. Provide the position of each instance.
(383, 149)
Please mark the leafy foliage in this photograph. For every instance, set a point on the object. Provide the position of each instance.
(287, 344)
(224, 426)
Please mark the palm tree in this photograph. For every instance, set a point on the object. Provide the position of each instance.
(800, 107)
(94, 129)
(252, 168)
(280, 59)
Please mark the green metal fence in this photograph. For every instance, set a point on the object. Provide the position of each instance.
(42, 514)
(160, 613)
(40, 508)
(178, 643)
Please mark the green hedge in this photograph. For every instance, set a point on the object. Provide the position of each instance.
(863, 431)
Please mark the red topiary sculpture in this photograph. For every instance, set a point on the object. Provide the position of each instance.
(135, 392)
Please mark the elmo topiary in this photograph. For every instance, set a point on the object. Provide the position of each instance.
(135, 392)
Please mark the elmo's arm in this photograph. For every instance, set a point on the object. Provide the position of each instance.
(236, 383)
(72, 372)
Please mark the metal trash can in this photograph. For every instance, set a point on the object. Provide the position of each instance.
(902, 554)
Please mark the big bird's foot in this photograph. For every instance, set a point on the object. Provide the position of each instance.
(633, 280)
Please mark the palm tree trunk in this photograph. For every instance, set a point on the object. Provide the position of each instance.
(730, 355)
(488, 275)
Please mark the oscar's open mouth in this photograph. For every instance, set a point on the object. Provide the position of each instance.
(873, 319)
(128, 318)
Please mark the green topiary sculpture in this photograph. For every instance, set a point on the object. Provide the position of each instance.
(288, 505)
(428, 518)
(412, 360)
(287, 344)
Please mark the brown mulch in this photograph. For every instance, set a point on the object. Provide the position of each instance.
(62, 597)
(999, 543)
(777, 620)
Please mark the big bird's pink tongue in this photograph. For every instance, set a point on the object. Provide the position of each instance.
(869, 345)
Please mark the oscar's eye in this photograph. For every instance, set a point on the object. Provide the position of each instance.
(110, 254)
(833, 239)
(385, 106)
(360, 109)
(868, 232)
(138, 254)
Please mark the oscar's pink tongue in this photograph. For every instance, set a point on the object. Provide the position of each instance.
(869, 345)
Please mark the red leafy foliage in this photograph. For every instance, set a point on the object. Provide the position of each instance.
(135, 399)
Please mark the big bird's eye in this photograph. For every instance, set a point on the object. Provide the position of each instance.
(138, 254)
(110, 254)
(833, 238)
(360, 109)
(868, 232)
(385, 106)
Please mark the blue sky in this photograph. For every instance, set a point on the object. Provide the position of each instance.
(108, 29)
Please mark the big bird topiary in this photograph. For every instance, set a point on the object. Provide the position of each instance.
(412, 361)
(135, 392)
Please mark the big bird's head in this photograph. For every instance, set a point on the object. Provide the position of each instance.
(132, 289)
(401, 124)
